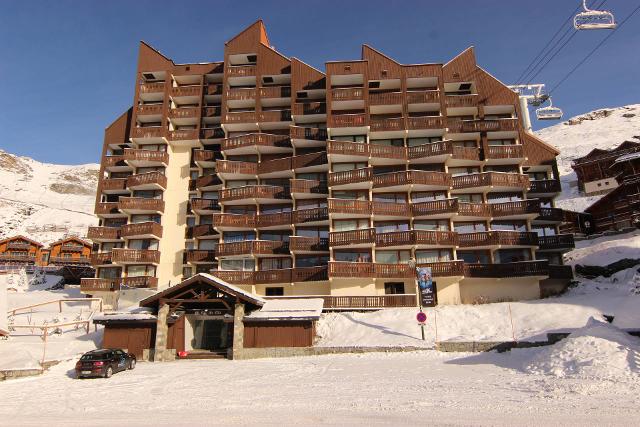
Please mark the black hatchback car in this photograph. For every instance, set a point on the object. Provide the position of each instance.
(104, 363)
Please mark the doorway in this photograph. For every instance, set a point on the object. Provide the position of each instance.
(208, 334)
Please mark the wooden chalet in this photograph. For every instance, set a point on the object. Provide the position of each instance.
(70, 251)
(20, 250)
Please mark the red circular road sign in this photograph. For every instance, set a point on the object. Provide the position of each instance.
(421, 317)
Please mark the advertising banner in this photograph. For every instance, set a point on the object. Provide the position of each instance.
(427, 287)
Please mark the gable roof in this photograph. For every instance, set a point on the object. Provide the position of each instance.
(69, 239)
(20, 236)
(289, 309)
(208, 279)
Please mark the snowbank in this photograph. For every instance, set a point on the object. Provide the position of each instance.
(605, 250)
(598, 350)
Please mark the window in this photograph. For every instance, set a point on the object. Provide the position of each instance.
(463, 171)
(279, 236)
(509, 225)
(267, 209)
(393, 288)
(245, 264)
(390, 226)
(390, 197)
(351, 195)
(504, 197)
(544, 230)
(470, 198)
(393, 257)
(206, 219)
(469, 227)
(475, 257)
(435, 224)
(238, 236)
(427, 196)
(140, 270)
(340, 167)
(352, 256)
(434, 255)
(311, 260)
(110, 273)
(350, 138)
(316, 232)
(497, 142)
(235, 183)
(274, 291)
(274, 263)
(350, 224)
(143, 244)
(412, 142)
(465, 144)
(389, 142)
(207, 244)
(135, 219)
(512, 255)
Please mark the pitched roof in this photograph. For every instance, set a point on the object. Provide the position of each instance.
(20, 236)
(69, 239)
(289, 309)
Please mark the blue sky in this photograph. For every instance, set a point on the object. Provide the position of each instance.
(68, 67)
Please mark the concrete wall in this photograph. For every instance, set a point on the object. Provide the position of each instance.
(353, 287)
(448, 289)
(493, 290)
(602, 185)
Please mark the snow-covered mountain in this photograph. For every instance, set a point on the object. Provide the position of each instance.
(604, 128)
(45, 201)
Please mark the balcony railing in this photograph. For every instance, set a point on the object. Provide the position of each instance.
(308, 244)
(306, 274)
(182, 135)
(17, 257)
(462, 100)
(312, 134)
(425, 122)
(140, 204)
(350, 176)
(205, 205)
(204, 156)
(253, 247)
(347, 120)
(510, 269)
(496, 179)
(347, 94)
(184, 113)
(352, 237)
(351, 269)
(139, 282)
(200, 255)
(233, 167)
(309, 160)
(113, 161)
(152, 109)
(146, 179)
(100, 258)
(274, 116)
(277, 165)
(114, 184)
(107, 208)
(387, 152)
(99, 285)
(178, 91)
(519, 207)
(303, 216)
(545, 186)
(423, 96)
(417, 237)
(72, 247)
(136, 155)
(479, 210)
(202, 230)
(143, 256)
(103, 233)
(241, 117)
(459, 125)
(81, 260)
(239, 94)
(349, 207)
(214, 89)
(212, 133)
(369, 302)
(497, 238)
(147, 132)
(391, 209)
(504, 152)
(435, 207)
(444, 268)
(256, 139)
(255, 192)
(141, 229)
(208, 181)
(415, 177)
(385, 98)
(152, 87)
(212, 111)
(266, 220)
(345, 148)
(234, 220)
(309, 108)
(275, 92)
(551, 214)
(241, 70)
(387, 124)
(558, 241)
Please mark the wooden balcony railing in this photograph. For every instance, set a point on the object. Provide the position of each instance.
(310, 215)
(425, 122)
(369, 302)
(113, 161)
(212, 111)
(148, 228)
(385, 98)
(256, 139)
(184, 113)
(462, 100)
(308, 244)
(239, 94)
(140, 204)
(387, 124)
(352, 237)
(350, 176)
(551, 214)
(266, 220)
(182, 135)
(351, 269)
(212, 133)
(504, 152)
(100, 258)
(417, 237)
(309, 108)
(234, 220)
(558, 241)
(91, 284)
(287, 275)
(347, 94)
(204, 156)
(275, 92)
(312, 134)
(310, 274)
(114, 184)
(393, 271)
(241, 117)
(103, 233)
(152, 87)
(415, 177)
(458, 125)
(241, 70)
(309, 160)
(147, 132)
(204, 205)
(347, 120)
(202, 230)
(391, 209)
(149, 178)
(349, 206)
(208, 181)
(276, 165)
(214, 89)
(497, 179)
(445, 268)
(139, 282)
(435, 207)
(274, 116)
(423, 96)
(151, 109)
(143, 256)
(519, 207)
(510, 269)
(72, 247)
(545, 186)
(254, 192)
(345, 148)
(186, 90)
(17, 257)
(152, 156)
(107, 208)
(387, 152)
(497, 238)
(233, 167)
(59, 260)
(480, 210)
(253, 247)
(200, 255)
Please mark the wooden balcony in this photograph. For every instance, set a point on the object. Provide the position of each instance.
(19, 246)
(368, 302)
(377, 151)
(234, 221)
(366, 236)
(116, 161)
(255, 193)
(349, 207)
(310, 160)
(347, 120)
(547, 186)
(256, 140)
(140, 205)
(386, 209)
(497, 238)
(138, 157)
(253, 247)
(560, 242)
(288, 275)
(8, 257)
(205, 156)
(310, 274)
(274, 220)
(393, 271)
(461, 100)
(309, 108)
(241, 70)
(148, 229)
(550, 215)
(311, 134)
(423, 96)
(183, 135)
(204, 206)
(491, 179)
(344, 148)
(139, 282)
(152, 87)
(179, 91)
(499, 125)
(197, 256)
(351, 269)
(300, 244)
(500, 152)
(89, 285)
(241, 117)
(212, 133)
(385, 98)
(103, 234)
(108, 209)
(227, 167)
(150, 109)
(445, 268)
(100, 258)
(71, 247)
(519, 208)
(147, 181)
(184, 113)
(212, 111)
(274, 116)
(425, 122)
(135, 256)
(402, 271)
(443, 148)
(208, 181)
(306, 216)
(510, 269)
(275, 92)
(113, 185)
(387, 124)
(347, 94)
(214, 89)
(202, 230)
(350, 177)
(412, 177)
(241, 94)
(417, 238)
(275, 166)
(147, 132)
(474, 210)
(443, 207)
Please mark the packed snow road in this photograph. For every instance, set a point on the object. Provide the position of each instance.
(422, 388)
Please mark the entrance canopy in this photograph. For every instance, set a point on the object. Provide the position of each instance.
(203, 291)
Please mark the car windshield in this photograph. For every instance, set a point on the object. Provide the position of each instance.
(100, 356)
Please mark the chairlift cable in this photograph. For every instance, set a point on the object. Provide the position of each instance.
(594, 49)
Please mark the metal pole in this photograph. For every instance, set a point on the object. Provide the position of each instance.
(412, 265)
(524, 110)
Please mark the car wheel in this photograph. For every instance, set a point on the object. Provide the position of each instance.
(132, 364)
(108, 372)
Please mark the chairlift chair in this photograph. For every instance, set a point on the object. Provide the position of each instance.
(549, 113)
(538, 100)
(594, 19)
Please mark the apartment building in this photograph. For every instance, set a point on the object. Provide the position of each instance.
(287, 180)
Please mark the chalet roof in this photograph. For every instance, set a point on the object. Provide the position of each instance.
(208, 279)
(288, 309)
(627, 157)
(21, 237)
(608, 199)
(599, 152)
(70, 239)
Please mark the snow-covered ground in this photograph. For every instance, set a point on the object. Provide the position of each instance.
(45, 201)
(605, 250)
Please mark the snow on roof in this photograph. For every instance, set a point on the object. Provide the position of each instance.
(124, 316)
(627, 157)
(289, 309)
